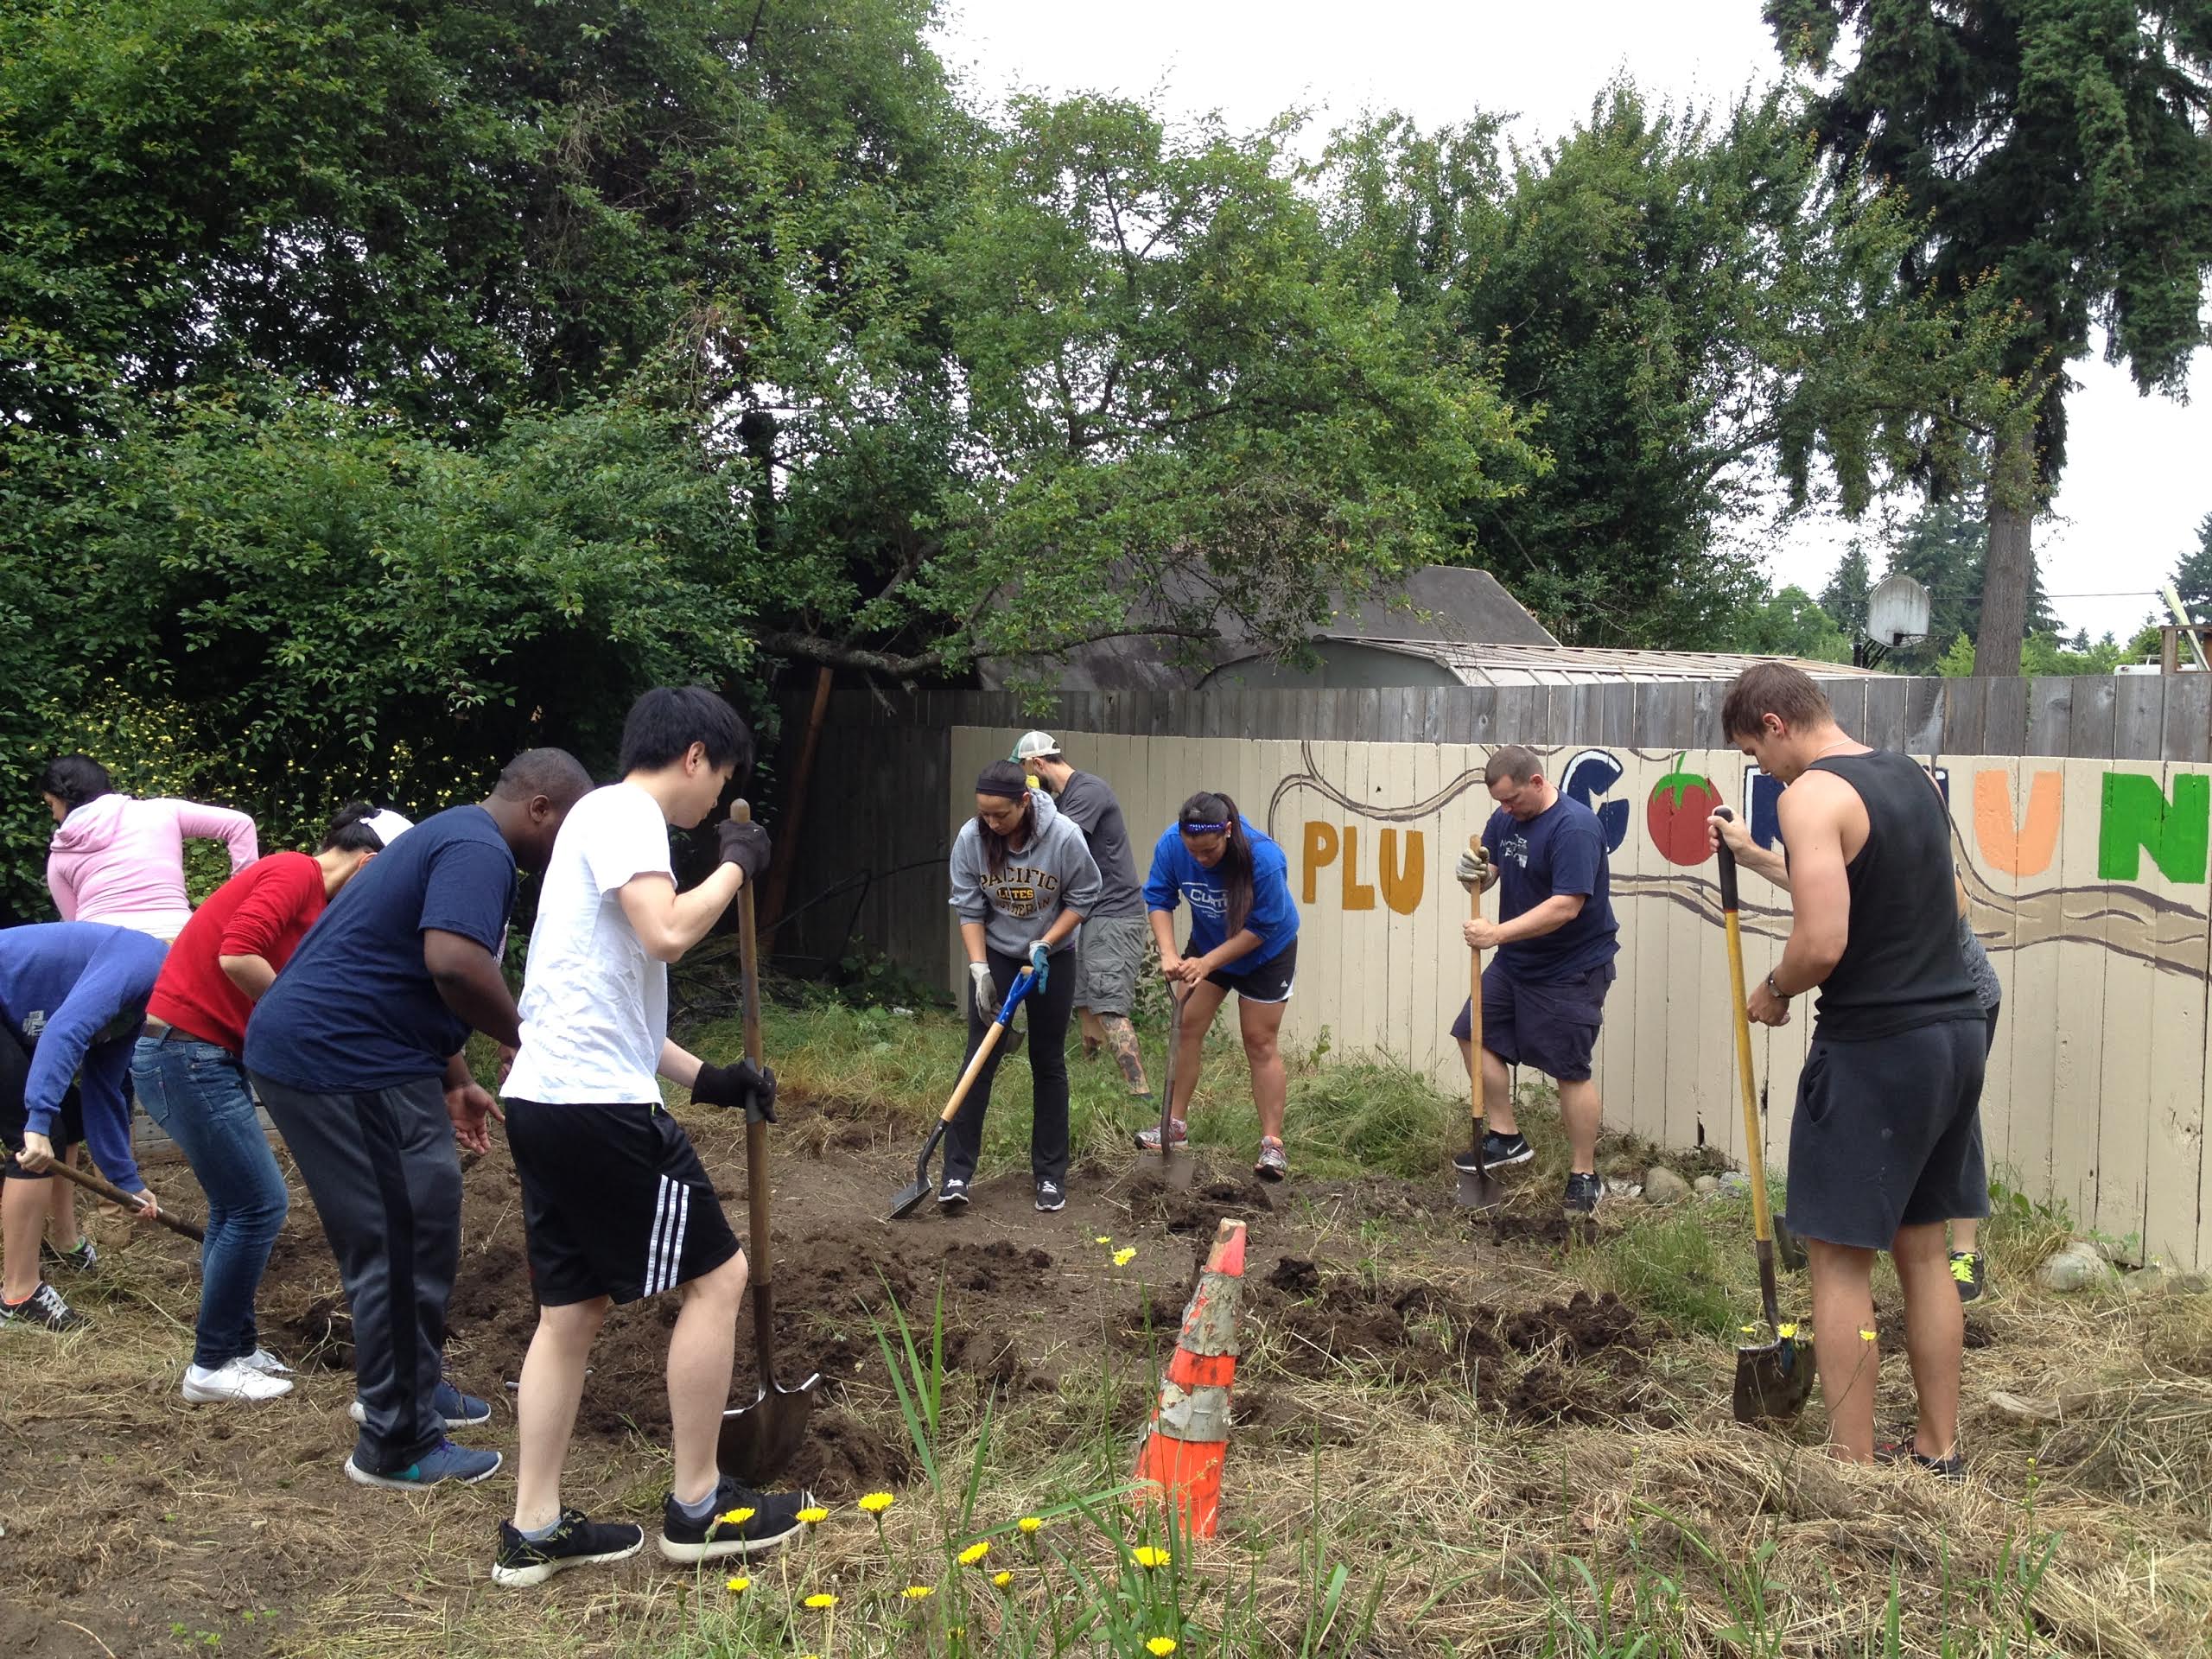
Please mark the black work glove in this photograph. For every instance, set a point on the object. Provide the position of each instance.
(744, 1084)
(745, 845)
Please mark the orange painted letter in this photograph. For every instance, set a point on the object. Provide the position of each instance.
(1357, 894)
(1401, 886)
(1320, 852)
(2015, 848)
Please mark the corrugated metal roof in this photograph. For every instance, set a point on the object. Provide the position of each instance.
(1516, 664)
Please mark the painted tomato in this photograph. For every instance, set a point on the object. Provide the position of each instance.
(1675, 815)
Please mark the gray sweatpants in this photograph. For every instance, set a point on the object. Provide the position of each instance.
(384, 1174)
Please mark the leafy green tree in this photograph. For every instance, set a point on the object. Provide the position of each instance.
(1957, 661)
(1943, 547)
(2060, 144)
(2192, 576)
(1691, 307)
(1791, 623)
(1845, 595)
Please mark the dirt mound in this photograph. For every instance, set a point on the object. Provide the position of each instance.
(1200, 1211)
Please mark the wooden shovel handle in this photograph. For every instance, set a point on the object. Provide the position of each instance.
(1475, 1010)
(115, 1194)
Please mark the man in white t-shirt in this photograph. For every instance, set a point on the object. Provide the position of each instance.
(616, 1204)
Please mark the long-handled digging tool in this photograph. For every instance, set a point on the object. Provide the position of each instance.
(758, 1441)
(1175, 1169)
(909, 1199)
(115, 1194)
(1773, 1377)
(1477, 1190)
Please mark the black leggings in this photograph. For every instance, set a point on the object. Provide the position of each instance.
(1049, 1012)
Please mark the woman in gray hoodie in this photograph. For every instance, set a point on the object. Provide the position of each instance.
(1022, 880)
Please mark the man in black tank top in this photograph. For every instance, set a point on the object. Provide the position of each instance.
(1886, 1144)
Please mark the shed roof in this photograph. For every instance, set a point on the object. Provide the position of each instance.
(1502, 664)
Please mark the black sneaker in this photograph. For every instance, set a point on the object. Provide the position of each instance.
(744, 1523)
(1951, 1468)
(953, 1195)
(1499, 1152)
(85, 1258)
(43, 1309)
(1966, 1268)
(577, 1541)
(1583, 1193)
(1051, 1196)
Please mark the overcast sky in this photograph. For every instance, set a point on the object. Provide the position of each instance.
(2138, 476)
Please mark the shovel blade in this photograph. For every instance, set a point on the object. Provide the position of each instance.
(1177, 1170)
(1789, 1249)
(909, 1199)
(1477, 1191)
(758, 1441)
(1772, 1382)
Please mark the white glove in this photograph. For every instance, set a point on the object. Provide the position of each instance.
(1476, 872)
(987, 994)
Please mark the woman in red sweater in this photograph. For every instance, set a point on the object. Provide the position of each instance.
(191, 1083)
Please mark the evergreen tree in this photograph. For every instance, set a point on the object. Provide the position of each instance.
(1845, 597)
(2058, 148)
(2193, 574)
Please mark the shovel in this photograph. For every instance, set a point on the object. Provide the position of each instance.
(758, 1441)
(1477, 1190)
(909, 1199)
(1772, 1378)
(1175, 1172)
(115, 1194)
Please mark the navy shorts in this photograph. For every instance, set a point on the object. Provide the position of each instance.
(67, 1130)
(1268, 982)
(1887, 1133)
(1551, 1025)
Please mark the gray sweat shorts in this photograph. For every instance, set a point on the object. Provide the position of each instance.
(1108, 958)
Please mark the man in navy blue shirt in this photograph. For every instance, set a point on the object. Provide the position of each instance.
(356, 1050)
(1553, 947)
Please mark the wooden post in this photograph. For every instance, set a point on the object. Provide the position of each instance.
(779, 872)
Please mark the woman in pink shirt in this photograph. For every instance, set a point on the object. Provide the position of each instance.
(120, 861)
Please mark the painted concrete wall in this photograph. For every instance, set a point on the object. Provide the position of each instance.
(2088, 884)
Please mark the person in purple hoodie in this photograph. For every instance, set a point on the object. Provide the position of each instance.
(72, 997)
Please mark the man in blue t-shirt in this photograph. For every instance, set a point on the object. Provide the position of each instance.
(356, 1051)
(1554, 944)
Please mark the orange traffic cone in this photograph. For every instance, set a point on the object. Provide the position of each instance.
(1189, 1438)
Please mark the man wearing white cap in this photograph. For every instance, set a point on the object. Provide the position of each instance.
(192, 1082)
(1110, 951)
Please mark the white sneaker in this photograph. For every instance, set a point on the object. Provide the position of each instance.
(235, 1382)
(266, 1363)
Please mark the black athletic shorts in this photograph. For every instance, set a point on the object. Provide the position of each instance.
(1887, 1133)
(1552, 1025)
(1268, 982)
(68, 1126)
(614, 1202)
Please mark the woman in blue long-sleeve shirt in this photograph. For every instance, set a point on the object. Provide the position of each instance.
(1243, 939)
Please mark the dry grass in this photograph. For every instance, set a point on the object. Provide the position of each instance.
(128, 1516)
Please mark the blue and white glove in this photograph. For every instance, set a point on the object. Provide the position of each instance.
(1040, 962)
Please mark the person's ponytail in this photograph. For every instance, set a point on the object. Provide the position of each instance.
(1210, 811)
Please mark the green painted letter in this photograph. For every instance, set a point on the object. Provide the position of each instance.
(2137, 819)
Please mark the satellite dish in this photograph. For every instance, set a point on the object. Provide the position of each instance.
(1897, 611)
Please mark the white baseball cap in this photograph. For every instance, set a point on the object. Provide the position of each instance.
(1036, 746)
(388, 824)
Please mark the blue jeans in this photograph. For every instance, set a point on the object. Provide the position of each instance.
(197, 1092)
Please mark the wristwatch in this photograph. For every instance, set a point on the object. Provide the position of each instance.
(1779, 995)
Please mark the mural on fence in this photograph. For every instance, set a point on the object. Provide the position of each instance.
(2086, 879)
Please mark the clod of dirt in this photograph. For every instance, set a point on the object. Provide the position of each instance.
(322, 1334)
(1581, 1326)
(1201, 1211)
(842, 1456)
(1889, 1329)
(1295, 1275)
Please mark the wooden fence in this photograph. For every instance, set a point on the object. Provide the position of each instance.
(2087, 872)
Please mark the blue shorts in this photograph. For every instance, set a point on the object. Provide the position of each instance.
(1551, 1025)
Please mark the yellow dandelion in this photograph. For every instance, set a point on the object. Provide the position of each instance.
(822, 1601)
(877, 1502)
(813, 1517)
(1123, 1256)
(1751, 1330)
(1785, 1330)
(1866, 1335)
(974, 1553)
(1150, 1556)
(1003, 1580)
(734, 1517)
(1103, 1238)
(919, 1591)
(739, 1587)
(1030, 1522)
(1160, 1646)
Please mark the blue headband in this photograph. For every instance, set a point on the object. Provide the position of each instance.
(1204, 828)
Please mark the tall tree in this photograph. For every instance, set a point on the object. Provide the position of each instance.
(1689, 305)
(2066, 146)
(1845, 595)
(2193, 574)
